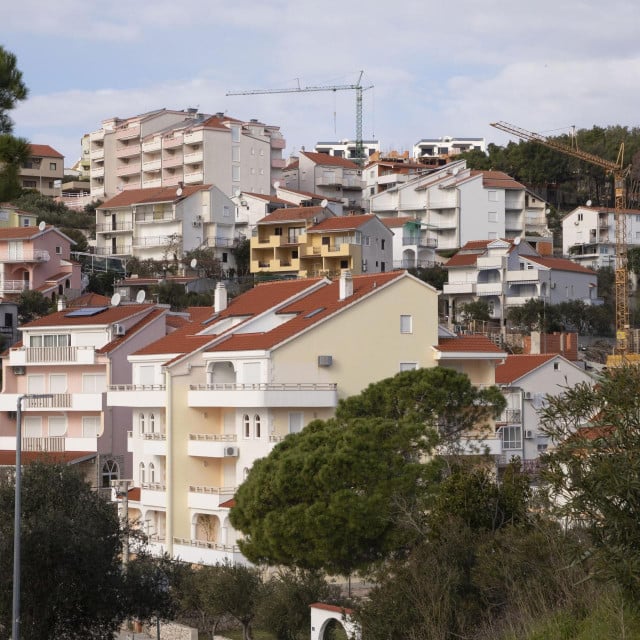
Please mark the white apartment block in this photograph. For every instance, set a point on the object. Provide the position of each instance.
(163, 224)
(589, 235)
(347, 148)
(446, 146)
(455, 205)
(169, 148)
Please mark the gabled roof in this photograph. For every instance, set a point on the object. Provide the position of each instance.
(341, 223)
(44, 150)
(145, 196)
(326, 160)
(474, 343)
(90, 300)
(471, 250)
(498, 180)
(559, 264)
(309, 194)
(397, 222)
(143, 322)
(292, 214)
(267, 198)
(308, 310)
(517, 366)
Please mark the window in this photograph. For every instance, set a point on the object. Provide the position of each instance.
(408, 366)
(512, 437)
(580, 217)
(58, 251)
(94, 382)
(141, 473)
(492, 235)
(90, 426)
(493, 196)
(493, 216)
(235, 173)
(32, 427)
(8, 320)
(226, 211)
(35, 384)
(295, 421)
(50, 340)
(294, 234)
(256, 426)
(29, 184)
(141, 422)
(372, 191)
(406, 324)
(235, 154)
(152, 423)
(235, 134)
(277, 231)
(152, 473)
(57, 426)
(110, 472)
(52, 166)
(57, 383)
(382, 244)
(247, 425)
(225, 256)
(556, 366)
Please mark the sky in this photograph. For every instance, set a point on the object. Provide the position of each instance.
(435, 68)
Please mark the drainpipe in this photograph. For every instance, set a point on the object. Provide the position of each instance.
(169, 462)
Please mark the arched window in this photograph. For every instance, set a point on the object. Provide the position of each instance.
(256, 425)
(141, 421)
(247, 425)
(142, 474)
(152, 423)
(152, 473)
(110, 472)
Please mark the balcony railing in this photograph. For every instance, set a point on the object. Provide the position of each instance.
(35, 355)
(11, 286)
(56, 401)
(51, 443)
(266, 386)
(36, 255)
(136, 387)
(510, 416)
(109, 227)
(153, 486)
(211, 437)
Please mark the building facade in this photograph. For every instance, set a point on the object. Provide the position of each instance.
(43, 171)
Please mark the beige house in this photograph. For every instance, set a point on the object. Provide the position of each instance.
(43, 171)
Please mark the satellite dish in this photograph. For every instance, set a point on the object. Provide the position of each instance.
(276, 184)
(193, 264)
(42, 225)
(179, 191)
(140, 296)
(455, 171)
(237, 192)
(115, 299)
(516, 240)
(324, 203)
(588, 203)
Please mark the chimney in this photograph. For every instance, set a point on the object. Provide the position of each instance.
(62, 304)
(220, 298)
(346, 284)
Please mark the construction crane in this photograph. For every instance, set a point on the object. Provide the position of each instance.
(357, 87)
(619, 173)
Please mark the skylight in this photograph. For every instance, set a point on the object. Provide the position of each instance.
(85, 312)
(314, 312)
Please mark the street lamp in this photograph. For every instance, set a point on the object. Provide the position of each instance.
(15, 628)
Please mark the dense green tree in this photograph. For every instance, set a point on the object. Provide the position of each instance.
(12, 88)
(71, 566)
(594, 471)
(79, 238)
(436, 276)
(14, 152)
(208, 265)
(242, 254)
(330, 497)
(31, 305)
(476, 311)
(103, 282)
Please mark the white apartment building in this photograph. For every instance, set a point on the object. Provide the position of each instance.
(589, 235)
(166, 222)
(347, 148)
(455, 205)
(168, 148)
(446, 146)
(508, 274)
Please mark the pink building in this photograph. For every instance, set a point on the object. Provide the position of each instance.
(38, 258)
(73, 355)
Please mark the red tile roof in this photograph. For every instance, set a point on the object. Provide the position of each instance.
(44, 150)
(133, 329)
(516, 366)
(309, 194)
(309, 310)
(292, 214)
(474, 343)
(266, 198)
(21, 233)
(341, 223)
(90, 300)
(498, 180)
(560, 264)
(227, 504)
(325, 159)
(397, 222)
(108, 316)
(159, 194)
(134, 494)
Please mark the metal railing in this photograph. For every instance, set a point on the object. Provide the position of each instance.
(206, 544)
(136, 387)
(211, 437)
(266, 386)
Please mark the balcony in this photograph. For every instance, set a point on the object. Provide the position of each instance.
(510, 416)
(50, 443)
(13, 286)
(136, 395)
(278, 163)
(209, 553)
(127, 133)
(174, 160)
(119, 250)
(48, 355)
(173, 142)
(527, 276)
(154, 444)
(33, 255)
(195, 157)
(195, 177)
(98, 172)
(459, 287)
(489, 262)
(96, 135)
(153, 494)
(151, 165)
(489, 288)
(151, 145)
(130, 169)
(97, 154)
(127, 150)
(480, 446)
(109, 227)
(193, 137)
(278, 143)
(169, 180)
(204, 498)
(263, 395)
(152, 183)
(419, 241)
(66, 401)
(207, 445)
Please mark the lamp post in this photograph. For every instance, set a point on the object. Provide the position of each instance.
(15, 628)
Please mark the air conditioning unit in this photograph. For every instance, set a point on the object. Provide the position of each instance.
(325, 361)
(529, 434)
(119, 329)
(19, 371)
(528, 395)
(231, 452)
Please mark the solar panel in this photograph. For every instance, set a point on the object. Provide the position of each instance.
(314, 312)
(85, 312)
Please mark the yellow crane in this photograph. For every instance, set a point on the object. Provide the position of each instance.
(619, 173)
(357, 87)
